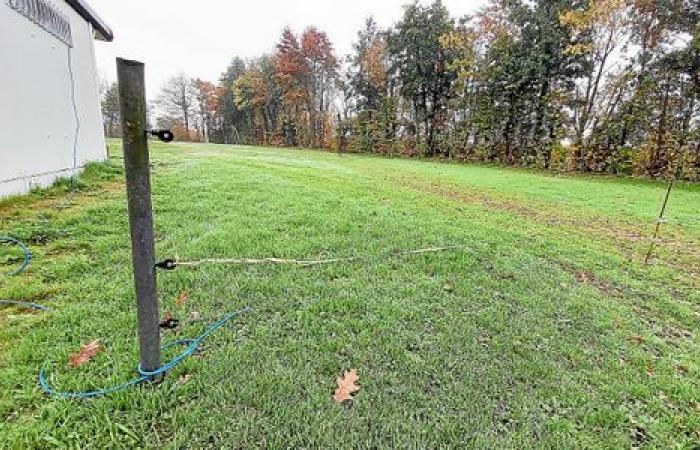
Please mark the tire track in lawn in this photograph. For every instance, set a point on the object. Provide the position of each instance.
(678, 252)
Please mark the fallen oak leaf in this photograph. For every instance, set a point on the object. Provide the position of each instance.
(346, 387)
(87, 352)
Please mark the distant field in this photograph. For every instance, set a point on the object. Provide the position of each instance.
(547, 330)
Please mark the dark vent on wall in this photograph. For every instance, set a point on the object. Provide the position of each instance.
(47, 16)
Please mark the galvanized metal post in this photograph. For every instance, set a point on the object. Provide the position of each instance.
(132, 99)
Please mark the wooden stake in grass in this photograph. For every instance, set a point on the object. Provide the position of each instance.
(657, 232)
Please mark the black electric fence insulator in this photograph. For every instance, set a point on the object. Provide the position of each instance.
(168, 264)
(163, 135)
(170, 324)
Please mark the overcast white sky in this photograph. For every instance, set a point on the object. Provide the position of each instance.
(200, 37)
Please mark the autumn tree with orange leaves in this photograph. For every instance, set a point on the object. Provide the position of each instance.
(206, 96)
(306, 68)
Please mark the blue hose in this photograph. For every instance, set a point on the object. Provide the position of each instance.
(25, 305)
(192, 346)
(25, 250)
(25, 262)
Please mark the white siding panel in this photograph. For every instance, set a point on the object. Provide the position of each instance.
(37, 119)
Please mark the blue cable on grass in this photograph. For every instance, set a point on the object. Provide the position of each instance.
(25, 305)
(144, 375)
(25, 250)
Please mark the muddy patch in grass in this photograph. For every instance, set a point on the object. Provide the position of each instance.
(588, 278)
(36, 206)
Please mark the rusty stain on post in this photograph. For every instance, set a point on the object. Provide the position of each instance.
(132, 99)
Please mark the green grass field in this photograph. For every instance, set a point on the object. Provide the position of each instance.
(546, 331)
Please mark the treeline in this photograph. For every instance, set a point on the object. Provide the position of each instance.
(577, 85)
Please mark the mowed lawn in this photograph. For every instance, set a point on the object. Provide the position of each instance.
(546, 330)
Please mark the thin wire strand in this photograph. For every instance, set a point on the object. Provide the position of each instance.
(308, 263)
(75, 110)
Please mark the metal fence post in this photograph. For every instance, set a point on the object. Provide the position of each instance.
(132, 99)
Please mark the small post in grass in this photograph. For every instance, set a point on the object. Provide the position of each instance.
(132, 99)
(659, 221)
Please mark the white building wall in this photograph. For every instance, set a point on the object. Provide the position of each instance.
(38, 124)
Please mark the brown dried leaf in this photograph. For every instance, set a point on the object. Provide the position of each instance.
(583, 277)
(86, 353)
(650, 370)
(184, 379)
(182, 299)
(637, 339)
(346, 387)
